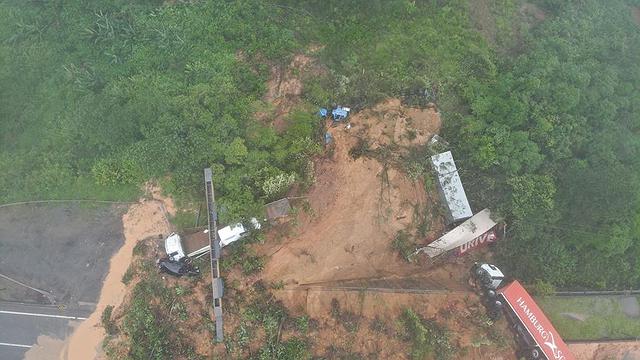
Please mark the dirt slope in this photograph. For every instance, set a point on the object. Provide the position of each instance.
(284, 89)
(606, 350)
(459, 311)
(358, 205)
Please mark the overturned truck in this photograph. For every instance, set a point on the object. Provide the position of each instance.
(534, 331)
(535, 336)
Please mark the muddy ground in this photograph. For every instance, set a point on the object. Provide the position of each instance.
(64, 249)
(357, 206)
(344, 239)
(145, 219)
(353, 212)
(620, 350)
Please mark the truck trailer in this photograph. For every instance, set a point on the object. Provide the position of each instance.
(535, 336)
(534, 333)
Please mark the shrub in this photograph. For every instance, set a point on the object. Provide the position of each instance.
(278, 285)
(252, 264)
(361, 148)
(148, 333)
(107, 323)
(542, 288)
(292, 349)
(403, 245)
(140, 248)
(128, 275)
(302, 323)
(278, 185)
(110, 171)
(182, 291)
(378, 325)
(428, 338)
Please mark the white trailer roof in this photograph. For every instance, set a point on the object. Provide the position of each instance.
(451, 188)
(467, 231)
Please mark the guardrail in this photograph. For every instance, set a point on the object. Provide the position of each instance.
(603, 340)
(596, 293)
(217, 287)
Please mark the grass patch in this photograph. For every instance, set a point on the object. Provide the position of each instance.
(348, 319)
(128, 275)
(602, 317)
(68, 188)
(429, 340)
(245, 257)
(186, 219)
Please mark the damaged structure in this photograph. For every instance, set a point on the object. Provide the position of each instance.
(450, 188)
(467, 232)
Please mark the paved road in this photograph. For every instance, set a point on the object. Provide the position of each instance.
(21, 324)
(63, 248)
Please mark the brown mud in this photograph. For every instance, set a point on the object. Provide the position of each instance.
(606, 350)
(358, 205)
(149, 217)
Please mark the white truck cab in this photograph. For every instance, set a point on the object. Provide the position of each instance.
(173, 247)
(235, 232)
(489, 275)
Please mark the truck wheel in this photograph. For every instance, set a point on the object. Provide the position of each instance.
(534, 354)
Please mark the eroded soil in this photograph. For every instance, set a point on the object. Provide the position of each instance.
(146, 218)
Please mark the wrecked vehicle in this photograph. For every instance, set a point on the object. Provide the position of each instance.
(177, 250)
(173, 247)
(235, 232)
(177, 268)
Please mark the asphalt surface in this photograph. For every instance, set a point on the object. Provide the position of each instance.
(21, 324)
(64, 249)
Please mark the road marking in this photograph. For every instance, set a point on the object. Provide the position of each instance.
(15, 345)
(42, 315)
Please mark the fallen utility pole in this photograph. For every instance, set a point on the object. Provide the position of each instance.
(217, 287)
(44, 293)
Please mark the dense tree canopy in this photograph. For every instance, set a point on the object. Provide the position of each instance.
(560, 124)
(98, 96)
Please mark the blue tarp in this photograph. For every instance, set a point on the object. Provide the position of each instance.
(339, 113)
(327, 138)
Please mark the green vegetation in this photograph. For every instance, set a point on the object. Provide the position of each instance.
(149, 321)
(107, 323)
(97, 97)
(551, 141)
(403, 245)
(584, 318)
(429, 339)
(542, 112)
(264, 317)
(245, 257)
